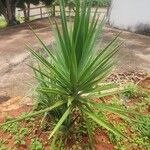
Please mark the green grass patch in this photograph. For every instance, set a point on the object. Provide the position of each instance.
(3, 23)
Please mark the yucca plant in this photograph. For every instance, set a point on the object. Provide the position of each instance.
(72, 73)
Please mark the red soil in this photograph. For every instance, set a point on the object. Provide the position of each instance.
(101, 138)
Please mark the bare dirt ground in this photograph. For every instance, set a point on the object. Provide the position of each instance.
(14, 73)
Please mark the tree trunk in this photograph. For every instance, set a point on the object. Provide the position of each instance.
(27, 13)
(53, 10)
(9, 12)
(2, 9)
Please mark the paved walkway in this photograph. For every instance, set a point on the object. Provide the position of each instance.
(14, 73)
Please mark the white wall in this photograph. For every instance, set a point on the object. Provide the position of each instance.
(129, 14)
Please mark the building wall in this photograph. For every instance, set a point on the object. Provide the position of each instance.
(131, 15)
